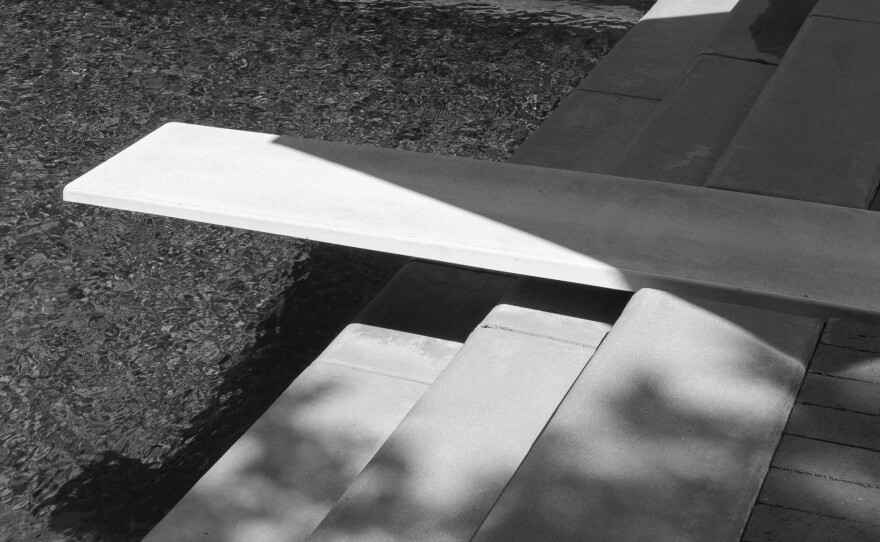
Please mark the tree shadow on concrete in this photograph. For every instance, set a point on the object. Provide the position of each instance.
(120, 498)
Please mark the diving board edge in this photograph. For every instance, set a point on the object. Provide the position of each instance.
(618, 233)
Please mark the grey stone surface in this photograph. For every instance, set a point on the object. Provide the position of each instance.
(829, 460)
(561, 311)
(655, 54)
(667, 433)
(861, 10)
(587, 131)
(279, 480)
(846, 363)
(436, 300)
(813, 134)
(441, 470)
(823, 496)
(694, 125)
(761, 30)
(776, 524)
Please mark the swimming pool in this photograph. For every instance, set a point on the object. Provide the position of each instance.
(135, 348)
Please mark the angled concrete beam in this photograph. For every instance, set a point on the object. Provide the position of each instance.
(577, 227)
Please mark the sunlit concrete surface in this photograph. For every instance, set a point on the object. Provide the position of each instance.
(441, 470)
(280, 479)
(668, 432)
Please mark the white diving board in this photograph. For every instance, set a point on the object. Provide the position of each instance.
(577, 227)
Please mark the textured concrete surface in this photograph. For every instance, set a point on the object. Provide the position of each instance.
(603, 231)
(655, 54)
(694, 125)
(560, 311)
(587, 131)
(440, 471)
(813, 135)
(761, 30)
(860, 10)
(279, 480)
(436, 300)
(668, 432)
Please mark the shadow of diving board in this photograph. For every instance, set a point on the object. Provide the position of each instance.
(584, 228)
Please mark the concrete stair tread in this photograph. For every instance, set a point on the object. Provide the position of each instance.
(667, 433)
(282, 477)
(760, 30)
(694, 124)
(587, 131)
(653, 57)
(443, 467)
(814, 132)
(856, 10)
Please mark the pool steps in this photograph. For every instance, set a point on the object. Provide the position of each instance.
(676, 417)
(282, 477)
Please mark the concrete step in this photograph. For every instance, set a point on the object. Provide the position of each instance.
(653, 57)
(695, 122)
(693, 126)
(668, 432)
(441, 470)
(281, 478)
(814, 132)
(761, 30)
(595, 124)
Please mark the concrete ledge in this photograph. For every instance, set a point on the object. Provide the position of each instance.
(694, 125)
(587, 131)
(655, 54)
(857, 10)
(761, 30)
(576, 227)
(279, 480)
(667, 433)
(814, 133)
(441, 470)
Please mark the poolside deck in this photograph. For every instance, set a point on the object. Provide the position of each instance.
(474, 404)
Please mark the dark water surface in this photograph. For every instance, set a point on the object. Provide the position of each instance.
(133, 349)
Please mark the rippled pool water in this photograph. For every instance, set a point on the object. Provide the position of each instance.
(135, 349)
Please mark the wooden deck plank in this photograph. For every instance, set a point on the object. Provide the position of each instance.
(855, 334)
(846, 363)
(841, 393)
(834, 425)
(585, 228)
(821, 496)
(775, 524)
(828, 459)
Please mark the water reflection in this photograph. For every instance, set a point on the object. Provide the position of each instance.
(584, 15)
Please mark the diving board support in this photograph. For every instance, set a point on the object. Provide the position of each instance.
(584, 228)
